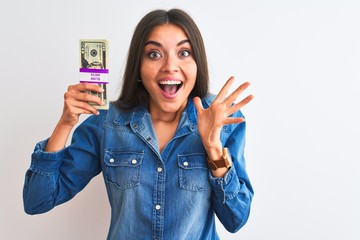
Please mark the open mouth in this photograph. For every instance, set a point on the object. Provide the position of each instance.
(170, 87)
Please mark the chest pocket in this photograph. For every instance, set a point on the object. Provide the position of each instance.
(193, 172)
(122, 168)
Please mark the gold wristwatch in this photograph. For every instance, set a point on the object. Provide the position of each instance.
(224, 161)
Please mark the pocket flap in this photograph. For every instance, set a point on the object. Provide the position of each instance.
(191, 161)
(123, 158)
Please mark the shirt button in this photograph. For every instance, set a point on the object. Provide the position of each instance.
(134, 161)
(186, 164)
(157, 207)
(159, 169)
(111, 160)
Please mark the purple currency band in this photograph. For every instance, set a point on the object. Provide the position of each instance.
(86, 81)
(92, 70)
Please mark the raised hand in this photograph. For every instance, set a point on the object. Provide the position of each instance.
(212, 119)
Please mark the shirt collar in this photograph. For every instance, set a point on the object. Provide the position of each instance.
(137, 115)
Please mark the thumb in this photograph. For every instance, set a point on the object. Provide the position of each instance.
(198, 105)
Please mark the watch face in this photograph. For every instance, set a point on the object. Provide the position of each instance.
(226, 154)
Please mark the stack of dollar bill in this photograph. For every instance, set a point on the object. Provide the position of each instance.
(94, 67)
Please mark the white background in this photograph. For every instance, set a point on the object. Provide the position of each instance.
(302, 57)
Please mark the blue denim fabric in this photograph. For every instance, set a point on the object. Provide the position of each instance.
(153, 195)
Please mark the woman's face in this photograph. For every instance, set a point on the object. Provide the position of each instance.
(168, 69)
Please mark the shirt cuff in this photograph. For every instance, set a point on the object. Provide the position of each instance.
(45, 163)
(227, 187)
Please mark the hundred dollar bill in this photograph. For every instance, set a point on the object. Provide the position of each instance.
(94, 67)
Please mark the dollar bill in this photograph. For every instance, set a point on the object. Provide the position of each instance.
(94, 67)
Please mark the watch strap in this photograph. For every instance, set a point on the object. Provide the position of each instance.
(225, 161)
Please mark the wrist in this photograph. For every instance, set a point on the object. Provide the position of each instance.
(63, 127)
(214, 150)
(58, 138)
(214, 153)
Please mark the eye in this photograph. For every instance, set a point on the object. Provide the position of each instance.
(154, 55)
(185, 53)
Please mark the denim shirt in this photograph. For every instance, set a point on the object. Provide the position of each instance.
(153, 195)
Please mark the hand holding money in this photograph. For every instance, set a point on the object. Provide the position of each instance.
(86, 97)
(76, 102)
(94, 68)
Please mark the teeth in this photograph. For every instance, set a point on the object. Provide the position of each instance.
(170, 82)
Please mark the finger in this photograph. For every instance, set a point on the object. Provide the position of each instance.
(75, 112)
(87, 97)
(233, 120)
(81, 87)
(93, 87)
(224, 90)
(79, 107)
(234, 108)
(198, 105)
(234, 95)
(82, 96)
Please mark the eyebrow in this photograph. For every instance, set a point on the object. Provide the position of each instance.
(160, 45)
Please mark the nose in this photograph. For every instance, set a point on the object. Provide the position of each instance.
(171, 64)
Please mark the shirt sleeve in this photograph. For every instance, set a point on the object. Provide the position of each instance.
(232, 194)
(56, 177)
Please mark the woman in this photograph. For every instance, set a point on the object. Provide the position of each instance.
(171, 154)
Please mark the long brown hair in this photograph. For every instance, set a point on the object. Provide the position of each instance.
(133, 93)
